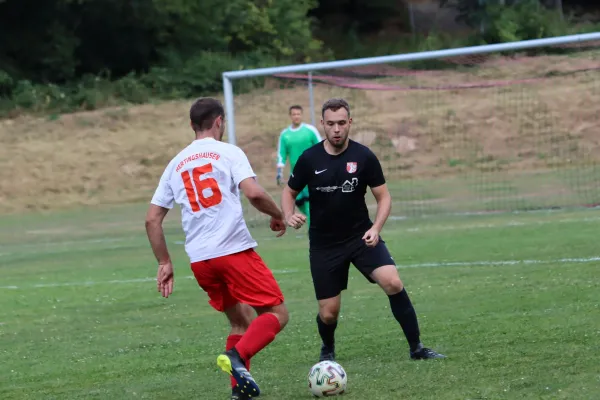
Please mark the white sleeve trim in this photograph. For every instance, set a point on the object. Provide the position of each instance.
(241, 168)
(315, 131)
(161, 204)
(280, 162)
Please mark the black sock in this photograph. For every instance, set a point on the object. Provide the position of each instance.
(405, 314)
(327, 332)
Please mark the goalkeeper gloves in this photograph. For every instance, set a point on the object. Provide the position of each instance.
(279, 176)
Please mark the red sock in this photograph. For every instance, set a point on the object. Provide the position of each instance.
(232, 340)
(260, 333)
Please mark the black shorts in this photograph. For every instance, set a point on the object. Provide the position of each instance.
(329, 266)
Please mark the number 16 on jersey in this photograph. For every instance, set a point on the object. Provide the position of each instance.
(195, 186)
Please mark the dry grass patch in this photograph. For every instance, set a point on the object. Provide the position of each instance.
(117, 155)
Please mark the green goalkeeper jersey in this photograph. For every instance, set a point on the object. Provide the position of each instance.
(293, 142)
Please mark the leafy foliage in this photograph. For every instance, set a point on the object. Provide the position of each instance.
(510, 20)
(175, 47)
(62, 55)
(523, 20)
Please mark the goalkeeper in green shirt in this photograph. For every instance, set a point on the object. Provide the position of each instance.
(293, 140)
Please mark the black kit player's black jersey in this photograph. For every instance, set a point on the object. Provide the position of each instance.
(337, 185)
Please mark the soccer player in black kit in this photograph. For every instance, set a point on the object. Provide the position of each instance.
(337, 172)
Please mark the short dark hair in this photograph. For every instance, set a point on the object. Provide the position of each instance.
(295, 107)
(334, 105)
(204, 112)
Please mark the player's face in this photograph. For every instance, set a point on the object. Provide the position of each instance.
(296, 116)
(336, 125)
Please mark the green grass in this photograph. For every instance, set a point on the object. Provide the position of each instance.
(472, 192)
(73, 329)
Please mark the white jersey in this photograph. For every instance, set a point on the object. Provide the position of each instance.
(204, 180)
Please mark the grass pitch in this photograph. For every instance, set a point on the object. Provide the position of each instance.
(511, 299)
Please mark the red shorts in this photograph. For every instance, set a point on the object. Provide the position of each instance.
(238, 278)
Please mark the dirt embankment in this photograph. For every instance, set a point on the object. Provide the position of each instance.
(423, 129)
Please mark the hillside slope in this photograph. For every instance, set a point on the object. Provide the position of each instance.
(501, 119)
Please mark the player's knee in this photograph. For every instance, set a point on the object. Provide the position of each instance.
(282, 315)
(392, 286)
(280, 312)
(247, 318)
(240, 318)
(329, 317)
(329, 314)
(239, 328)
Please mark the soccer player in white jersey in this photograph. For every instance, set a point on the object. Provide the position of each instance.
(205, 179)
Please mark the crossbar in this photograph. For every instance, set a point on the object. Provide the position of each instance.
(424, 55)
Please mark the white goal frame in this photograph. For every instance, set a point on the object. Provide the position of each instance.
(230, 76)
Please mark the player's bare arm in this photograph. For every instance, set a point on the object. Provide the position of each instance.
(261, 200)
(288, 198)
(156, 236)
(384, 207)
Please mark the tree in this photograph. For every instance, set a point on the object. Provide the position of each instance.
(60, 40)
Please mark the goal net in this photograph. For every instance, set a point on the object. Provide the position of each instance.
(496, 132)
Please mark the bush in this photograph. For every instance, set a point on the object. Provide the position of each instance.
(235, 35)
(178, 78)
(152, 49)
(524, 20)
(6, 83)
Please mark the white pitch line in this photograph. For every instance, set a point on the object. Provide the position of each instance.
(444, 227)
(509, 224)
(506, 262)
(91, 283)
(289, 271)
(490, 225)
(87, 283)
(459, 227)
(68, 243)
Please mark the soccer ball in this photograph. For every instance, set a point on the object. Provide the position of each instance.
(327, 378)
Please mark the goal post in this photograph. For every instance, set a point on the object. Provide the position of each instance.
(500, 127)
